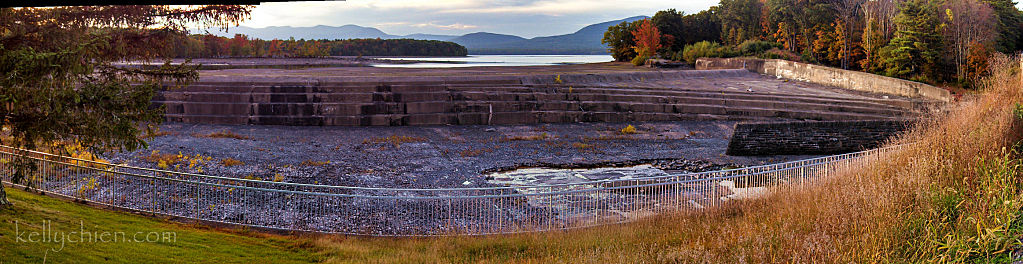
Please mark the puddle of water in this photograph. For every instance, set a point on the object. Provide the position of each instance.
(628, 203)
(545, 176)
(614, 205)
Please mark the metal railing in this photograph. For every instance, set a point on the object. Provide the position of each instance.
(410, 212)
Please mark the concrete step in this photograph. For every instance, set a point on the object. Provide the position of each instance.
(667, 105)
(684, 112)
(497, 97)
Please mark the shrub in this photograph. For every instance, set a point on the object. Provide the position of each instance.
(629, 130)
(162, 160)
(777, 53)
(78, 152)
(757, 47)
(640, 60)
(705, 49)
(228, 162)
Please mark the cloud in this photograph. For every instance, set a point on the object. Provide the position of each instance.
(527, 18)
(431, 24)
(458, 26)
(561, 8)
(413, 4)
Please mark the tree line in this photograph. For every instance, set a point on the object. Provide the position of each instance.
(935, 41)
(212, 46)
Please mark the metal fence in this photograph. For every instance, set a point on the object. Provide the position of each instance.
(410, 212)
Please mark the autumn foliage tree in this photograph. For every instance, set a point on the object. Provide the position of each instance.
(620, 42)
(648, 41)
(969, 25)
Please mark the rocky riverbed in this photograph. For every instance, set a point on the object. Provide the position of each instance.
(424, 158)
(431, 157)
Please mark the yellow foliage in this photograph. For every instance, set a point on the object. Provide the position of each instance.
(629, 130)
(78, 152)
(228, 162)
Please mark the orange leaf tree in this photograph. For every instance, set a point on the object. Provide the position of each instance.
(648, 39)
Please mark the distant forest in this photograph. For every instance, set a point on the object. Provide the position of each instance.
(211, 46)
(935, 41)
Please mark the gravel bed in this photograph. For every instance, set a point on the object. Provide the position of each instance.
(411, 157)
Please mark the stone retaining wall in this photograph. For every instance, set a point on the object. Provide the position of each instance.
(853, 80)
(815, 137)
(477, 100)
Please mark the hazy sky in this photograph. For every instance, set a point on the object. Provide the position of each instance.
(527, 18)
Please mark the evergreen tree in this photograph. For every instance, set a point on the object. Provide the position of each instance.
(740, 20)
(915, 50)
(1010, 22)
(59, 88)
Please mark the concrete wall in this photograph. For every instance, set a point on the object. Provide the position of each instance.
(466, 100)
(852, 80)
(815, 137)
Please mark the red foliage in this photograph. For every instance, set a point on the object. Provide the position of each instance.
(648, 38)
(976, 62)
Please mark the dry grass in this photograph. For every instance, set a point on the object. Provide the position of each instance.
(541, 136)
(229, 162)
(223, 134)
(163, 160)
(394, 140)
(156, 132)
(175, 162)
(315, 163)
(470, 152)
(582, 146)
(951, 197)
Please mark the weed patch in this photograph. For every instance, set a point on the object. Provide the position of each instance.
(315, 163)
(628, 130)
(223, 134)
(394, 140)
(229, 162)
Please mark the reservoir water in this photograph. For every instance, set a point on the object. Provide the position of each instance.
(492, 60)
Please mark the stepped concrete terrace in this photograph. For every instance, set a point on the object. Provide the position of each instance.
(607, 92)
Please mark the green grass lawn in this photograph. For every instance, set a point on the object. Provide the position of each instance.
(184, 243)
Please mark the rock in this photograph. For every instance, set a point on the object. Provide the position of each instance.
(490, 129)
(662, 63)
(467, 183)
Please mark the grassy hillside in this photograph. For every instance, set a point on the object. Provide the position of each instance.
(190, 244)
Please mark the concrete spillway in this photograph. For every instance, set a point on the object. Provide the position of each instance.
(519, 99)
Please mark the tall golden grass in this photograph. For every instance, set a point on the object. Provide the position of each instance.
(952, 196)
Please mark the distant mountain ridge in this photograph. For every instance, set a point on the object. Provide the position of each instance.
(583, 41)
